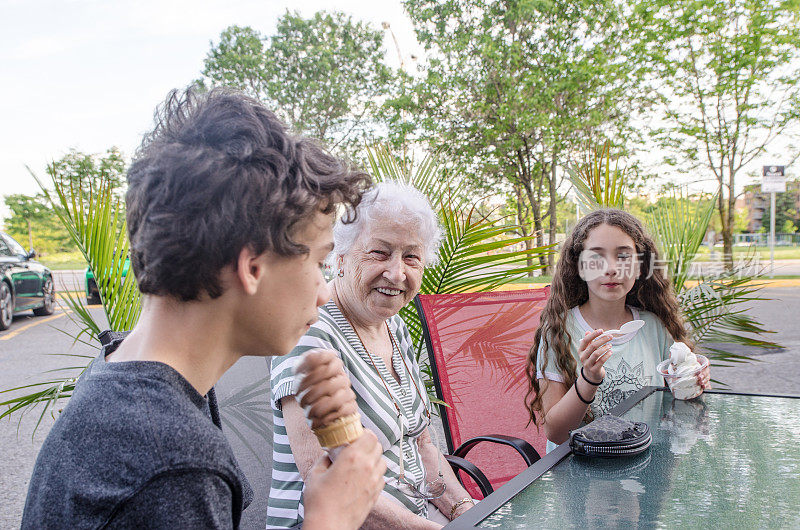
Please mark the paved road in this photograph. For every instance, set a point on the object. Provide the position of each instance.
(70, 280)
(25, 349)
(786, 267)
(776, 371)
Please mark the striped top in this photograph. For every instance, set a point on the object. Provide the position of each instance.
(378, 413)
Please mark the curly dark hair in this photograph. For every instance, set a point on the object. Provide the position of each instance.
(651, 291)
(220, 172)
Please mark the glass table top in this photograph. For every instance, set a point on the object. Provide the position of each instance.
(719, 460)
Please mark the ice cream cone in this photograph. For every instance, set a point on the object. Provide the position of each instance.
(340, 431)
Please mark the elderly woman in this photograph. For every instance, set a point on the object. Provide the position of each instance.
(379, 260)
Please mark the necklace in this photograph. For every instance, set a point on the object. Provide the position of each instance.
(405, 365)
(429, 490)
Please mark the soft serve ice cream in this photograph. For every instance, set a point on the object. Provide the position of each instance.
(681, 372)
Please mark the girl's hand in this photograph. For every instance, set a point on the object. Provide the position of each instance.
(594, 352)
(704, 378)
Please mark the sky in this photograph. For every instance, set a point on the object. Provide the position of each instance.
(88, 74)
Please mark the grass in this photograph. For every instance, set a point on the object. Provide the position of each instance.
(64, 261)
(536, 279)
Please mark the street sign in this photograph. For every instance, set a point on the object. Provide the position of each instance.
(773, 179)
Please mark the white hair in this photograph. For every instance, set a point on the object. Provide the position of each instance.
(392, 201)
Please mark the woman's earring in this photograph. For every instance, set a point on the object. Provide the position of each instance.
(340, 274)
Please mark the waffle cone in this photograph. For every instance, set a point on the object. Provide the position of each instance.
(340, 431)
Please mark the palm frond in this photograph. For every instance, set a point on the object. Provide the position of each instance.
(680, 227)
(248, 408)
(715, 310)
(47, 398)
(78, 313)
(430, 176)
(596, 184)
(94, 219)
(714, 307)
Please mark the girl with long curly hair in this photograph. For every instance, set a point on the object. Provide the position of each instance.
(608, 274)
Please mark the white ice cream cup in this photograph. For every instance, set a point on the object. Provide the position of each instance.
(683, 386)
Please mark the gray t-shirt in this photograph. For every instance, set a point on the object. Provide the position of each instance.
(135, 447)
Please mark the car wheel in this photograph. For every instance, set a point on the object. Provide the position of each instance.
(94, 299)
(49, 304)
(6, 306)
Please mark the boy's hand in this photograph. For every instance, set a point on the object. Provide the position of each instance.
(341, 495)
(324, 390)
(594, 350)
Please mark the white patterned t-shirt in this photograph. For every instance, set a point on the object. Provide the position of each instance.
(632, 364)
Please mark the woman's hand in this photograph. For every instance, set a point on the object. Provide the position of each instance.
(594, 350)
(704, 378)
(434, 462)
(462, 508)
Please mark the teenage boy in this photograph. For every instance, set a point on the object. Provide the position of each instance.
(229, 219)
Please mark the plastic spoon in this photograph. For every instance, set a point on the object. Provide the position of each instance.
(626, 329)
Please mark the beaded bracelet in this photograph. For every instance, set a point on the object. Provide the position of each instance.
(580, 396)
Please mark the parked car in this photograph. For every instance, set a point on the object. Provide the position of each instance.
(92, 292)
(24, 282)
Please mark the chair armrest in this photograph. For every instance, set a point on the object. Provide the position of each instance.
(458, 463)
(526, 450)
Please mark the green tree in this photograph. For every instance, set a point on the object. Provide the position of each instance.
(786, 213)
(637, 206)
(727, 76)
(33, 217)
(32, 214)
(323, 75)
(91, 171)
(740, 221)
(511, 88)
(238, 60)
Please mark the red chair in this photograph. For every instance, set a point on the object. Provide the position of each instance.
(479, 345)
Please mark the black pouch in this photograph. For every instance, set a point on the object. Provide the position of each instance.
(610, 436)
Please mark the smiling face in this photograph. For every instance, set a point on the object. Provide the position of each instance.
(382, 271)
(608, 263)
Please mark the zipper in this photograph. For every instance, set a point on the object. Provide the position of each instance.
(619, 450)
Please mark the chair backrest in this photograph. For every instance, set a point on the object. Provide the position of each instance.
(479, 345)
